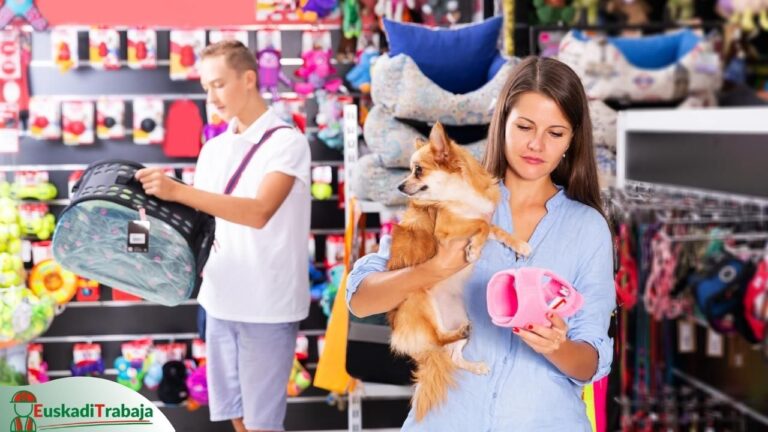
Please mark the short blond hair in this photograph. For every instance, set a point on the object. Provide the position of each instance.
(237, 55)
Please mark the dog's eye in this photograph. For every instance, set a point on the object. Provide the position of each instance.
(417, 171)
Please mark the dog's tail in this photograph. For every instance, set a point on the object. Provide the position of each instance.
(434, 375)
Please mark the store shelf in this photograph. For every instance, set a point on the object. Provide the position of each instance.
(285, 61)
(129, 132)
(249, 27)
(175, 165)
(130, 337)
(161, 96)
(376, 207)
(122, 303)
(737, 405)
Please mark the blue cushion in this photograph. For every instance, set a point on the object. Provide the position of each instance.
(654, 52)
(496, 64)
(458, 60)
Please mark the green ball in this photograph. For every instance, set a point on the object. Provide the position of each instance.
(18, 263)
(5, 262)
(322, 191)
(14, 231)
(14, 247)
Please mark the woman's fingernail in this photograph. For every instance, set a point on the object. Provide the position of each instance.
(530, 327)
(515, 329)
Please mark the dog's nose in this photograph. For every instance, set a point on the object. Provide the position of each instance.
(401, 187)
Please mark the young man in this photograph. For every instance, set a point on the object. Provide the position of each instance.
(255, 287)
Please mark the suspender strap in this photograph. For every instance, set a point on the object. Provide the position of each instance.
(232, 183)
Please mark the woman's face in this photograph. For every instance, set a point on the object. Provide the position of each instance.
(537, 135)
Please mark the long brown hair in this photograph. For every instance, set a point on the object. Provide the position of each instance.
(554, 79)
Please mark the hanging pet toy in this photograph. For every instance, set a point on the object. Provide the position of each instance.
(26, 9)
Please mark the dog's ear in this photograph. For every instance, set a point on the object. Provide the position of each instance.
(419, 143)
(441, 144)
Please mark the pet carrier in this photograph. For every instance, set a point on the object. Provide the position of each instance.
(92, 236)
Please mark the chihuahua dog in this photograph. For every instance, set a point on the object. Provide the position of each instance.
(451, 196)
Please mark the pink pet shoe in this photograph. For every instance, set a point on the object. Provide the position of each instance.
(518, 298)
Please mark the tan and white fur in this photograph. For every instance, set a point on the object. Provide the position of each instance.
(451, 197)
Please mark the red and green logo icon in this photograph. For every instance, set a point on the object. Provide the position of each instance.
(23, 402)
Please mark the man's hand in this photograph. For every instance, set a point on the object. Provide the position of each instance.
(159, 185)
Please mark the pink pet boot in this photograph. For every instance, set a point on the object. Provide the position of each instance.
(517, 298)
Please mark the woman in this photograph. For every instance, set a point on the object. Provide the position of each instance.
(540, 147)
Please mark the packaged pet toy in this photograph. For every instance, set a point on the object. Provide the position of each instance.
(48, 278)
(12, 268)
(215, 36)
(33, 185)
(64, 46)
(110, 116)
(329, 118)
(36, 220)
(104, 48)
(148, 116)
(23, 9)
(322, 177)
(15, 57)
(114, 233)
(86, 360)
(292, 111)
(522, 297)
(299, 380)
(186, 46)
(197, 385)
(23, 315)
(335, 274)
(44, 118)
(77, 122)
(37, 369)
(316, 69)
(142, 49)
(87, 290)
(360, 75)
(276, 11)
(173, 387)
(313, 10)
(270, 72)
(215, 125)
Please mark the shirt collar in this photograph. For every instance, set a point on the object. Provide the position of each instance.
(551, 204)
(254, 131)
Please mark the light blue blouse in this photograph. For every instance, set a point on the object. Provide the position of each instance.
(524, 391)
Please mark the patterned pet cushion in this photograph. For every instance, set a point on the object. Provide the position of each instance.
(401, 87)
(472, 47)
(394, 141)
(603, 124)
(372, 181)
(651, 68)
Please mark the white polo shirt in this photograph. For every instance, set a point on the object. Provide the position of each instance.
(258, 275)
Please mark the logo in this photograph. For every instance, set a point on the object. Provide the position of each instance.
(78, 404)
(23, 403)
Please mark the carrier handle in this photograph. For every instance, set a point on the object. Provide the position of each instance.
(125, 179)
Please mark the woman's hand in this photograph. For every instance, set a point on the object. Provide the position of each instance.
(545, 340)
(450, 258)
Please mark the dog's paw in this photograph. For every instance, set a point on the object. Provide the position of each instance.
(465, 330)
(523, 248)
(480, 369)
